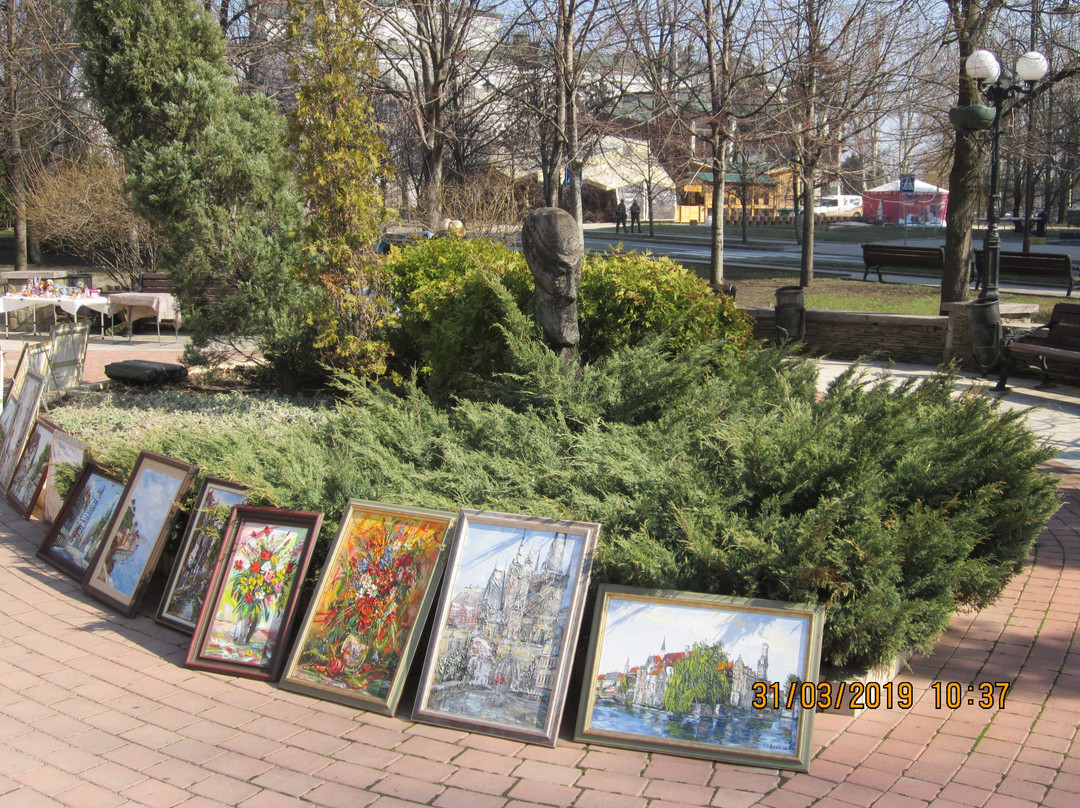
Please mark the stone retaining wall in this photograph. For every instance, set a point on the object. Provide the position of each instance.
(920, 339)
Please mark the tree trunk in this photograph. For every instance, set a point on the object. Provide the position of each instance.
(433, 168)
(806, 264)
(965, 185)
(719, 167)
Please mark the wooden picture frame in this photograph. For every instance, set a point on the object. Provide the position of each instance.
(250, 605)
(26, 406)
(503, 639)
(67, 455)
(358, 638)
(33, 356)
(29, 475)
(125, 560)
(80, 526)
(67, 355)
(701, 675)
(186, 588)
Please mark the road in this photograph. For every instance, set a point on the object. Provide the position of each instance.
(836, 259)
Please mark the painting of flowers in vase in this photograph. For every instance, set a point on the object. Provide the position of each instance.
(251, 599)
(359, 636)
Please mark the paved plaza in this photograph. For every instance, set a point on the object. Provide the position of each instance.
(97, 710)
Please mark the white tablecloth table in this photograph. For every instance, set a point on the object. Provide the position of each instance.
(137, 305)
(99, 303)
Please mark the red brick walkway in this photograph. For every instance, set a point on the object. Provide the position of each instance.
(98, 710)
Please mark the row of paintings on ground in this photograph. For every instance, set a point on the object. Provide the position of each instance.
(675, 672)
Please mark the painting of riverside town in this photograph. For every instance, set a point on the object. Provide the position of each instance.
(359, 636)
(186, 589)
(699, 674)
(134, 539)
(252, 595)
(80, 526)
(504, 636)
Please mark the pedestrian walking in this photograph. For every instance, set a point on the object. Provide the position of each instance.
(620, 217)
(635, 216)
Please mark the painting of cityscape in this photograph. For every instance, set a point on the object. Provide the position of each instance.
(133, 541)
(358, 639)
(190, 576)
(251, 600)
(503, 640)
(700, 675)
(80, 525)
(29, 473)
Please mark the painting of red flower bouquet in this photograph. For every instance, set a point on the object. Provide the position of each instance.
(251, 600)
(358, 638)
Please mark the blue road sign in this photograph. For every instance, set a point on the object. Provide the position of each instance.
(907, 183)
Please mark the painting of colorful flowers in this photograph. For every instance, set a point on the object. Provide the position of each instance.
(252, 594)
(361, 631)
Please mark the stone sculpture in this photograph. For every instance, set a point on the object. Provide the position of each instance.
(551, 241)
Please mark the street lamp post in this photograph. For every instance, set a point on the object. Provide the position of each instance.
(983, 66)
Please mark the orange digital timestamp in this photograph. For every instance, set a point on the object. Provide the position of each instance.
(985, 695)
(826, 695)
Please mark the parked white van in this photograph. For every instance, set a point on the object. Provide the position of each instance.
(844, 206)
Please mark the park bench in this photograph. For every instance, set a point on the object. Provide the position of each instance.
(898, 256)
(1062, 343)
(1031, 265)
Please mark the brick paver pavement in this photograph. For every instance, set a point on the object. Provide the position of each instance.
(97, 710)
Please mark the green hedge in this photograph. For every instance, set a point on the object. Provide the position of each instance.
(709, 471)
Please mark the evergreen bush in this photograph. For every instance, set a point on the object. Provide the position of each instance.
(710, 470)
(456, 297)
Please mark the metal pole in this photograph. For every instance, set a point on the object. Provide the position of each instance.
(992, 244)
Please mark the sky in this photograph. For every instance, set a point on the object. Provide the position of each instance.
(487, 546)
(636, 628)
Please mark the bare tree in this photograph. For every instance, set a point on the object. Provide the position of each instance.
(706, 66)
(431, 52)
(41, 114)
(839, 75)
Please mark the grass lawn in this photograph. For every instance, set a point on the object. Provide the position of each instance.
(835, 294)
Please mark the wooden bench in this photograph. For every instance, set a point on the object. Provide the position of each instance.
(1030, 265)
(157, 282)
(1062, 343)
(897, 256)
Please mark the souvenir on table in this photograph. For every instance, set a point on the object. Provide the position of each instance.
(357, 641)
(707, 676)
(503, 639)
(29, 475)
(66, 458)
(25, 410)
(251, 600)
(186, 589)
(136, 535)
(80, 525)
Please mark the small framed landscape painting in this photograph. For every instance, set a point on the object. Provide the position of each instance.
(186, 588)
(251, 600)
(701, 675)
(29, 474)
(358, 639)
(503, 639)
(66, 458)
(136, 535)
(25, 410)
(80, 525)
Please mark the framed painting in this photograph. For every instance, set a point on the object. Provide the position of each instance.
(250, 604)
(503, 638)
(25, 409)
(125, 559)
(357, 641)
(701, 675)
(34, 356)
(67, 356)
(80, 525)
(186, 588)
(29, 474)
(66, 458)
